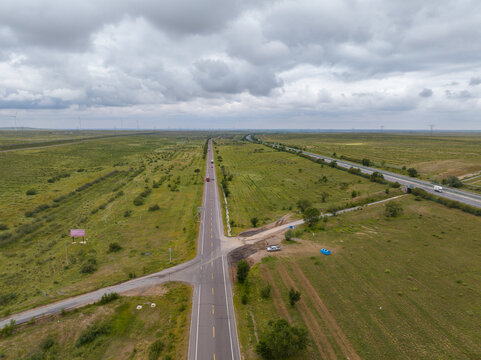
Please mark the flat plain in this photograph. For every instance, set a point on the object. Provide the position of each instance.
(434, 156)
(136, 196)
(117, 330)
(267, 183)
(402, 288)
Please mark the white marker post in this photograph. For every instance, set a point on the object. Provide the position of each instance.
(170, 255)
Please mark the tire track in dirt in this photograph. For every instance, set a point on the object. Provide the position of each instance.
(317, 334)
(277, 298)
(341, 339)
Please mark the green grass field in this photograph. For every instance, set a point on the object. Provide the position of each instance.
(131, 333)
(35, 241)
(435, 157)
(402, 288)
(267, 184)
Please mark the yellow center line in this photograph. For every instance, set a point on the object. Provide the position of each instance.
(213, 331)
(211, 244)
(212, 291)
(212, 276)
(212, 309)
(214, 356)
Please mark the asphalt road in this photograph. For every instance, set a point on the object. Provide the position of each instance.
(449, 193)
(213, 332)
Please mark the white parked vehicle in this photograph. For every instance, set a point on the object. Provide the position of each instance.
(273, 248)
(438, 188)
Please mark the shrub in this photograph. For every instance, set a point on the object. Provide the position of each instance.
(412, 172)
(91, 333)
(154, 207)
(244, 299)
(127, 213)
(155, 349)
(139, 200)
(303, 204)
(47, 343)
(31, 192)
(114, 247)
(108, 297)
(281, 340)
(294, 296)
(311, 216)
(254, 221)
(353, 193)
(393, 209)
(366, 162)
(266, 292)
(453, 181)
(5, 299)
(243, 268)
(7, 330)
(89, 267)
(288, 235)
(3, 227)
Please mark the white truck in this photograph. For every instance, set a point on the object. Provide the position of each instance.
(438, 188)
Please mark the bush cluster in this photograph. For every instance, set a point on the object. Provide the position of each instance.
(58, 177)
(108, 298)
(92, 333)
(447, 202)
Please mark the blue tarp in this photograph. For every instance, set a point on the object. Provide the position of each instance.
(325, 251)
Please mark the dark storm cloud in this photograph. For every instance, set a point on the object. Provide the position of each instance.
(426, 93)
(188, 55)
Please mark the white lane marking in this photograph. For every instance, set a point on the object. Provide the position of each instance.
(227, 304)
(198, 320)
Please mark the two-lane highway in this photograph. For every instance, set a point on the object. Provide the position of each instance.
(213, 333)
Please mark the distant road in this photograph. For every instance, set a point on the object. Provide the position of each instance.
(449, 193)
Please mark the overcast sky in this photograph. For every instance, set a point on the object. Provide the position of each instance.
(401, 64)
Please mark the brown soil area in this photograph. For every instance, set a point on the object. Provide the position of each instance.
(254, 231)
(276, 295)
(157, 290)
(321, 308)
(317, 334)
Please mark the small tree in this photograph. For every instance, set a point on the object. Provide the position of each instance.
(31, 192)
(311, 216)
(324, 196)
(288, 235)
(254, 221)
(412, 172)
(294, 296)
(366, 162)
(281, 340)
(393, 209)
(453, 181)
(114, 247)
(243, 268)
(303, 204)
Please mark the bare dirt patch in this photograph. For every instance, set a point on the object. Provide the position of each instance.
(281, 221)
(276, 295)
(321, 308)
(157, 290)
(317, 334)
